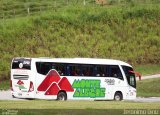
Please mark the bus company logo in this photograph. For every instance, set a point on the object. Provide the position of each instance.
(26, 62)
(20, 85)
(110, 81)
(53, 83)
(88, 88)
(21, 65)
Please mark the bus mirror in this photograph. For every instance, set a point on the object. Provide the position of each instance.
(137, 74)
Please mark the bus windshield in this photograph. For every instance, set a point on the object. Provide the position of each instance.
(130, 76)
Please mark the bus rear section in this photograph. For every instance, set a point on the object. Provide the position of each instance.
(22, 78)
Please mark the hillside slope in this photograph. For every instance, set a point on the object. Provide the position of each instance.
(128, 33)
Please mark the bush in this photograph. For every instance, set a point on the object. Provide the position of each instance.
(127, 33)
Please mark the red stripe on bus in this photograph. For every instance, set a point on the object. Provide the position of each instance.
(53, 84)
(53, 90)
(65, 85)
(51, 77)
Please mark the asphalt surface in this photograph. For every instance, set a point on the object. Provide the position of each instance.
(148, 99)
(149, 77)
(6, 95)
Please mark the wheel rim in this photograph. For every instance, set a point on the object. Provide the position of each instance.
(117, 98)
(61, 97)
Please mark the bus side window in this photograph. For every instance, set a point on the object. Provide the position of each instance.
(115, 72)
(60, 69)
(46, 68)
(74, 70)
(87, 70)
(53, 66)
(101, 71)
(43, 67)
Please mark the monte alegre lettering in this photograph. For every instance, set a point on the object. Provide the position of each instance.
(88, 88)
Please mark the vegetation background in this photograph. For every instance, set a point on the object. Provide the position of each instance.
(128, 30)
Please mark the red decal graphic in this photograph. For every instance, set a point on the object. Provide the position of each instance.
(20, 85)
(53, 76)
(53, 90)
(65, 85)
(20, 82)
(53, 83)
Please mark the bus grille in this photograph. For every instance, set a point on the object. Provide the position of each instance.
(21, 77)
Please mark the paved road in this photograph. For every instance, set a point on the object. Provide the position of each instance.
(6, 95)
(148, 99)
(149, 77)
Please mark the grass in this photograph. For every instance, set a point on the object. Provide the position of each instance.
(4, 85)
(41, 107)
(149, 69)
(66, 112)
(148, 88)
(65, 34)
(126, 32)
(115, 31)
(44, 104)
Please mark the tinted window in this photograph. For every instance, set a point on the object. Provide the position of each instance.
(115, 71)
(21, 64)
(80, 69)
(45, 67)
(74, 70)
(87, 70)
(101, 71)
(130, 76)
(60, 68)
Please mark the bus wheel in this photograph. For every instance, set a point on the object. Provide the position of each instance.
(62, 96)
(13, 96)
(118, 96)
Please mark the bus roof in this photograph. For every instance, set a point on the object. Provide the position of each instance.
(82, 61)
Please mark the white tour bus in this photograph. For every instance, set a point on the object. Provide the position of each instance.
(72, 78)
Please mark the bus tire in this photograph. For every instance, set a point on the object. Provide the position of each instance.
(62, 96)
(118, 96)
(13, 96)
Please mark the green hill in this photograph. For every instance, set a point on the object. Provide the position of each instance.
(148, 88)
(129, 32)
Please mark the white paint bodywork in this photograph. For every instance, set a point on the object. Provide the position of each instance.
(120, 85)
